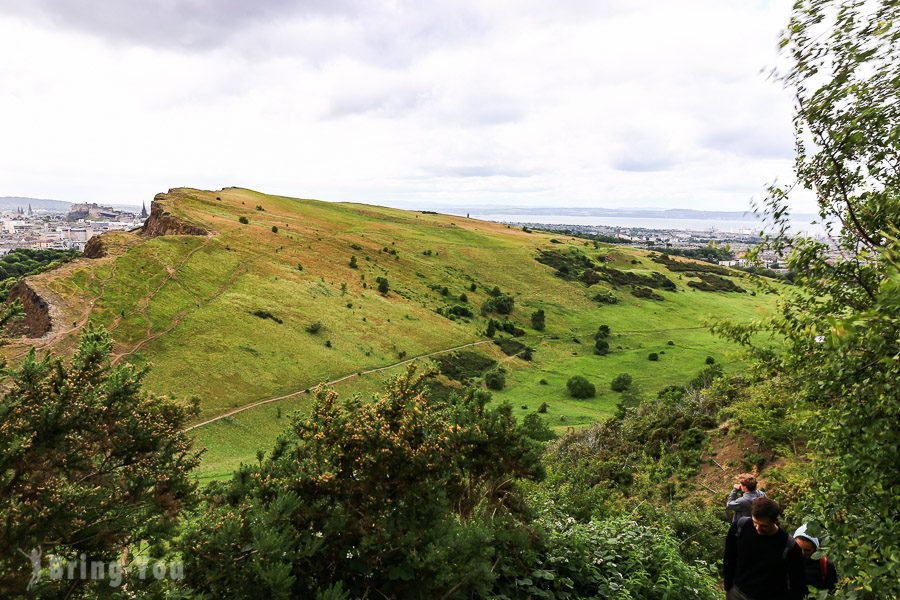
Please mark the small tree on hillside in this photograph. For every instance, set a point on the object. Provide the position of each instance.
(620, 382)
(579, 387)
(538, 320)
(353, 264)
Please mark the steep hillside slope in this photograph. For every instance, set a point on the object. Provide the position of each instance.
(234, 313)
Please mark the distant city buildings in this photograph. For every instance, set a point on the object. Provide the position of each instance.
(24, 227)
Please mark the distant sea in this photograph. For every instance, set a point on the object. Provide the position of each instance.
(747, 225)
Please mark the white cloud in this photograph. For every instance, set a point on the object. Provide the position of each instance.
(579, 103)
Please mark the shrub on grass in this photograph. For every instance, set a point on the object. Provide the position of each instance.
(653, 356)
(353, 264)
(314, 327)
(243, 220)
(383, 285)
(502, 304)
(274, 228)
(491, 328)
(538, 320)
(621, 382)
(601, 347)
(710, 360)
(495, 380)
(264, 314)
(606, 298)
(581, 388)
(534, 427)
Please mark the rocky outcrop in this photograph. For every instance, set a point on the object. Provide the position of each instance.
(161, 222)
(36, 321)
(95, 248)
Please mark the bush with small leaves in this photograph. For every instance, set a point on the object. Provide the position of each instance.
(299, 267)
(710, 360)
(314, 327)
(579, 387)
(274, 228)
(620, 382)
(463, 297)
(328, 343)
(538, 320)
(473, 287)
(653, 356)
(543, 407)
(243, 220)
(352, 263)
(383, 285)
(495, 380)
(601, 347)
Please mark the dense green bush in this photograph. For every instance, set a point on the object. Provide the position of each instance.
(606, 298)
(620, 382)
(383, 285)
(510, 347)
(496, 379)
(463, 364)
(502, 304)
(538, 320)
(601, 347)
(653, 356)
(646, 293)
(579, 387)
(400, 497)
(243, 220)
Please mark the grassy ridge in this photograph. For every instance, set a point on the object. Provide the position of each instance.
(186, 305)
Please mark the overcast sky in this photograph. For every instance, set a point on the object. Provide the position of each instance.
(608, 103)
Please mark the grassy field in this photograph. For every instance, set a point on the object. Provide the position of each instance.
(229, 318)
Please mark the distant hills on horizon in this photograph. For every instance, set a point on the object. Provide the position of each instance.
(12, 202)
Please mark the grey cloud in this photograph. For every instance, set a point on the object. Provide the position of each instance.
(388, 35)
(388, 104)
(755, 142)
(195, 25)
(478, 170)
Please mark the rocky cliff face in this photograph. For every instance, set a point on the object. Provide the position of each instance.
(95, 247)
(36, 321)
(161, 222)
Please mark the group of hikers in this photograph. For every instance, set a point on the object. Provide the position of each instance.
(763, 562)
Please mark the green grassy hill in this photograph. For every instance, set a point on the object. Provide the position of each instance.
(229, 317)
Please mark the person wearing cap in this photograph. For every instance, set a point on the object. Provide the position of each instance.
(742, 496)
(820, 572)
(763, 562)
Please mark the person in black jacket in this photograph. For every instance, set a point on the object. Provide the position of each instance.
(820, 572)
(762, 562)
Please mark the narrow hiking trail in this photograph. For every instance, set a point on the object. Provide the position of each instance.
(241, 409)
(265, 401)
